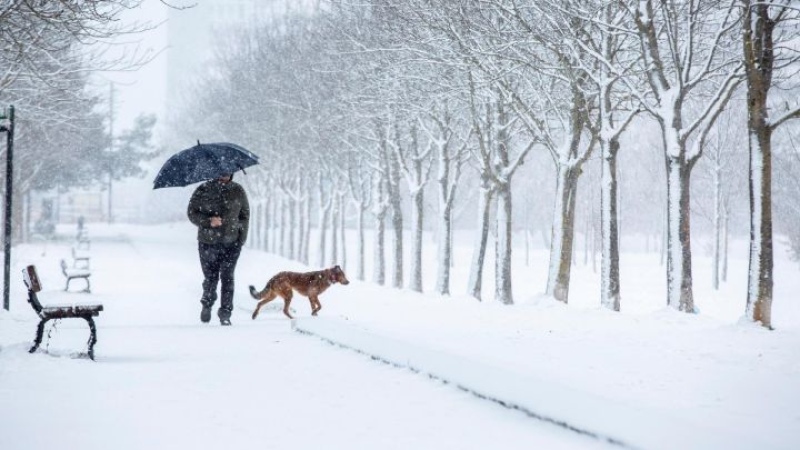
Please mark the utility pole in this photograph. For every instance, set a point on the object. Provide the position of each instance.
(8, 126)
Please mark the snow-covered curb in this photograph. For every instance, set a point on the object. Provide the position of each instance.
(581, 412)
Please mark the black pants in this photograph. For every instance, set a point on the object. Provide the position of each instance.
(219, 262)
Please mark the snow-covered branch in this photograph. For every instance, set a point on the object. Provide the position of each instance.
(786, 116)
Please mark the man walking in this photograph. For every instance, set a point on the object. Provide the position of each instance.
(220, 210)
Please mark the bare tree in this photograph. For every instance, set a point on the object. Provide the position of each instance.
(569, 155)
(359, 181)
(604, 56)
(409, 159)
(415, 164)
(391, 169)
(325, 201)
(769, 42)
(497, 157)
(46, 40)
(380, 206)
(450, 152)
(723, 158)
(554, 104)
(685, 48)
(477, 36)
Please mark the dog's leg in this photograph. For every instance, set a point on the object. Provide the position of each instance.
(268, 298)
(315, 304)
(287, 300)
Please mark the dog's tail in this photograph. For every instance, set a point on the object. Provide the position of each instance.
(257, 294)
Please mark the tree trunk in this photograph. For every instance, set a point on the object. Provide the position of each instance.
(271, 212)
(298, 249)
(306, 241)
(396, 208)
(266, 223)
(503, 247)
(284, 227)
(269, 221)
(322, 244)
(397, 252)
(292, 230)
(679, 253)
(586, 230)
(609, 262)
(759, 60)
(342, 231)
(449, 172)
(445, 250)
(335, 211)
(717, 226)
(474, 285)
(725, 246)
(417, 205)
(360, 246)
(759, 290)
(379, 251)
(563, 233)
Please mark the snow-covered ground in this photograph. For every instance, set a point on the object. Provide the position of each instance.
(392, 369)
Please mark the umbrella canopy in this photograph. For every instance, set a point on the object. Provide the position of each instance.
(203, 162)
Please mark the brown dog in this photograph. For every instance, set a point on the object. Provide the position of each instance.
(310, 284)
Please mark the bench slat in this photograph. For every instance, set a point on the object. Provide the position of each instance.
(65, 313)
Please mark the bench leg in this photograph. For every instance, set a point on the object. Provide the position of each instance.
(88, 288)
(92, 335)
(39, 333)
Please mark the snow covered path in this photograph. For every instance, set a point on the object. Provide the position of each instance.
(163, 380)
(254, 385)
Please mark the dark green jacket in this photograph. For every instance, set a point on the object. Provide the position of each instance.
(228, 201)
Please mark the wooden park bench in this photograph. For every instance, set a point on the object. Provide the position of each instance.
(47, 313)
(73, 273)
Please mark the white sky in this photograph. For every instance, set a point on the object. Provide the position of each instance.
(142, 91)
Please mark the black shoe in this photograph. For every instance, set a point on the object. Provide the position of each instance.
(205, 314)
(225, 322)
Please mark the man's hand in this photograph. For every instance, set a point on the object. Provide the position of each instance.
(216, 221)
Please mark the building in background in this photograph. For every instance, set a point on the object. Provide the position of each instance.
(191, 35)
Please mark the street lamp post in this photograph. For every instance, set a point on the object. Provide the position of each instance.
(8, 126)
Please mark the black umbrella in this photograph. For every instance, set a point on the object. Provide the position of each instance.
(203, 162)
